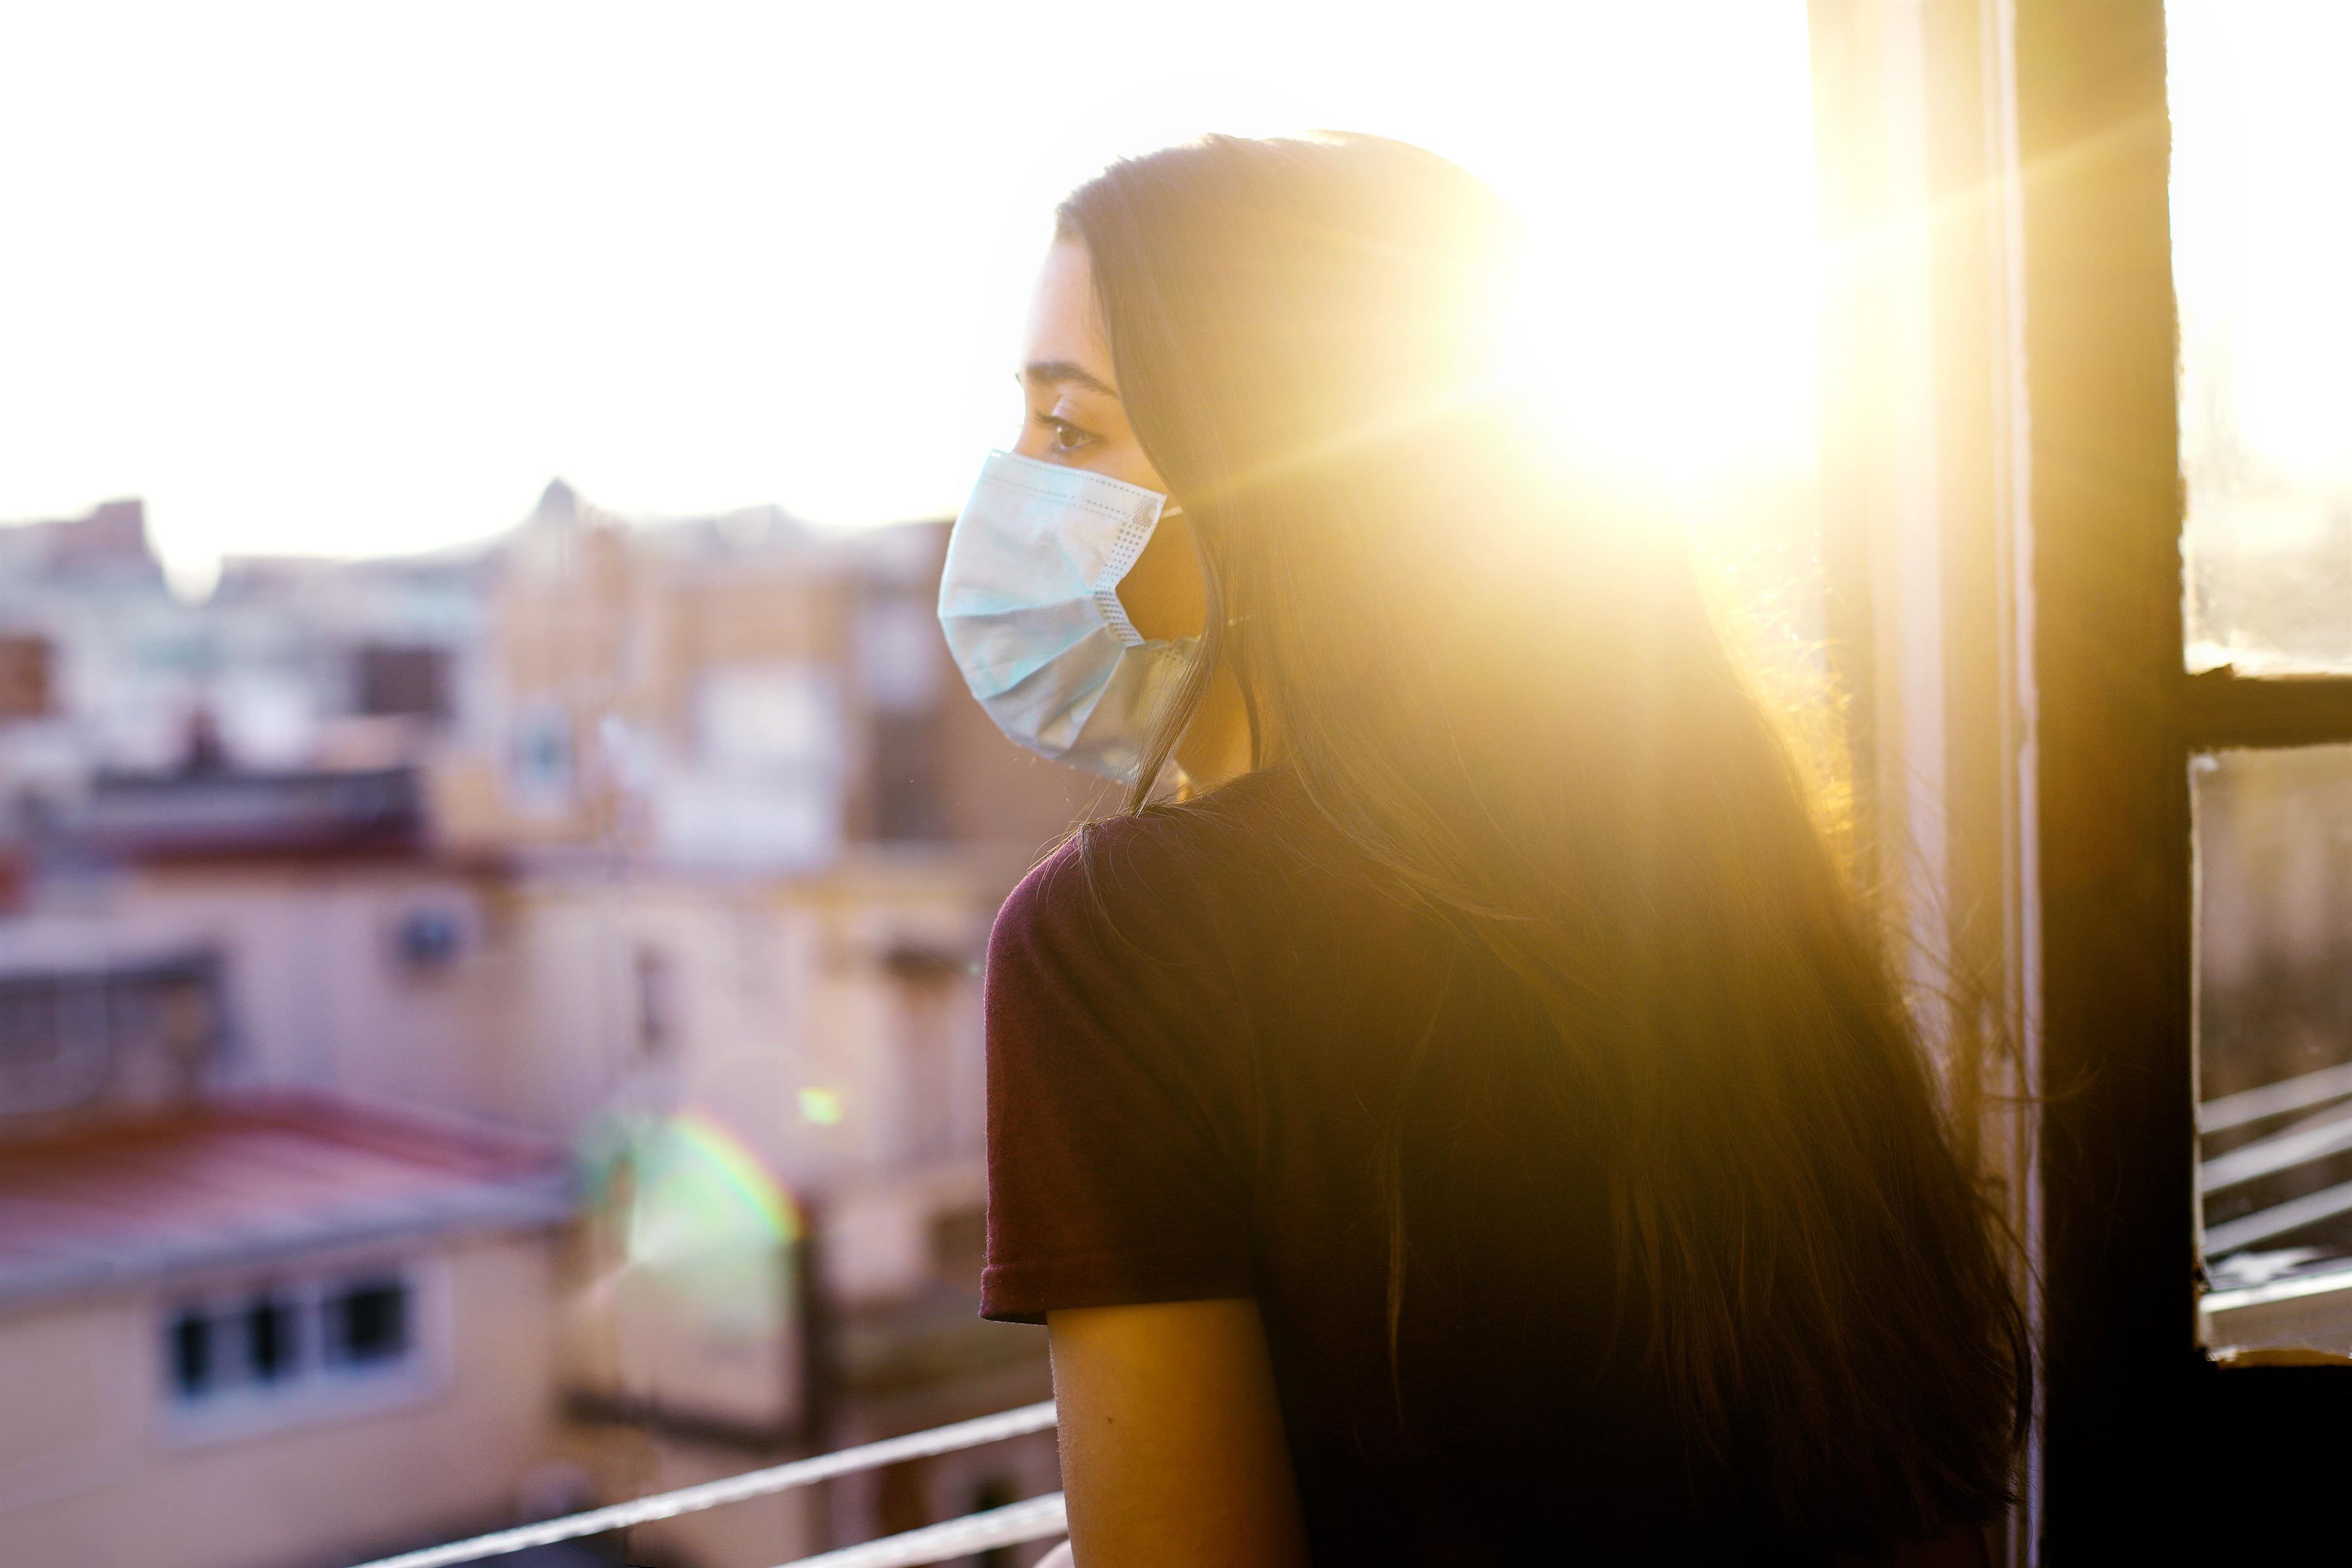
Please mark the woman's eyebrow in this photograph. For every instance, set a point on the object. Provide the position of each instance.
(1053, 373)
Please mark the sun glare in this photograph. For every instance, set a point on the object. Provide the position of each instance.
(2262, 240)
(345, 281)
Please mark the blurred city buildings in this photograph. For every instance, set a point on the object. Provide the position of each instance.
(487, 1032)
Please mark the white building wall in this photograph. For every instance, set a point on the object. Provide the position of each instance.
(93, 1473)
(320, 993)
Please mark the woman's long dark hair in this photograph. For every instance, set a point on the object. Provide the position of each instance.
(1508, 695)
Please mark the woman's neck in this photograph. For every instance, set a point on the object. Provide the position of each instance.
(1216, 747)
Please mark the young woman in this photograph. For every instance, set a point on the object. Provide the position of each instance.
(1458, 1115)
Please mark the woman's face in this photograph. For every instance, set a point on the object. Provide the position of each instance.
(1072, 417)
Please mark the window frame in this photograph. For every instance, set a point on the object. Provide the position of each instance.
(2142, 1426)
(2002, 520)
(320, 1386)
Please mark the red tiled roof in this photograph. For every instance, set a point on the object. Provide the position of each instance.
(251, 1180)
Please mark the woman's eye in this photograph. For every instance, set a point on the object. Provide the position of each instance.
(1068, 437)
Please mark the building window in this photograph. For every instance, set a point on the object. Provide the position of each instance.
(192, 1355)
(70, 1037)
(656, 1002)
(367, 1323)
(289, 1338)
(273, 1338)
(397, 679)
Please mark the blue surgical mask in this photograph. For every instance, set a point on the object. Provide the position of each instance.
(1030, 604)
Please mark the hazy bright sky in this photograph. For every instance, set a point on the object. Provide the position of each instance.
(342, 279)
(2261, 224)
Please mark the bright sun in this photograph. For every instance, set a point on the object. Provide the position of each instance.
(704, 257)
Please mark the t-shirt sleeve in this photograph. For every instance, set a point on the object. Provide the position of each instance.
(1116, 1162)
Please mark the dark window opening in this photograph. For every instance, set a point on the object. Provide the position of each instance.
(656, 1002)
(192, 1355)
(270, 1338)
(370, 1321)
(395, 680)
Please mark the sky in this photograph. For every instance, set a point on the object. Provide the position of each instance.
(2261, 226)
(348, 280)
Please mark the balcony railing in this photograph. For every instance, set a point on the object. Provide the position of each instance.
(2320, 1135)
(74, 1031)
(1046, 1518)
(1035, 1518)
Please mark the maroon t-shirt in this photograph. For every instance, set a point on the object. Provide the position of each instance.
(1215, 1047)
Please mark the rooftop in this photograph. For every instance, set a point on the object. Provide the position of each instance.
(207, 812)
(144, 1199)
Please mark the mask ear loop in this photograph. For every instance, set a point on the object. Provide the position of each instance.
(1229, 646)
(1184, 702)
(1127, 548)
(1225, 645)
(1249, 699)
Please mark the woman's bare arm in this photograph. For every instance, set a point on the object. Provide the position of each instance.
(1173, 1449)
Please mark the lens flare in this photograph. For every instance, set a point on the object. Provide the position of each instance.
(701, 1240)
(689, 1191)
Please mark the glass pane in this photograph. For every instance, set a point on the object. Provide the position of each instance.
(2274, 1044)
(192, 1355)
(369, 1323)
(2262, 246)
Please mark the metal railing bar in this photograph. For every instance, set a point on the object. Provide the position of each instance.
(2334, 1275)
(2298, 1093)
(2277, 1220)
(993, 1428)
(2329, 1133)
(1038, 1519)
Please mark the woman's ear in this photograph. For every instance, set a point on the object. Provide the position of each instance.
(1165, 592)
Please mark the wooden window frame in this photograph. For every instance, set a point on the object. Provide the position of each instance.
(2001, 458)
(2148, 1445)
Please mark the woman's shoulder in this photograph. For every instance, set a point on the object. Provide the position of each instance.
(1188, 867)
